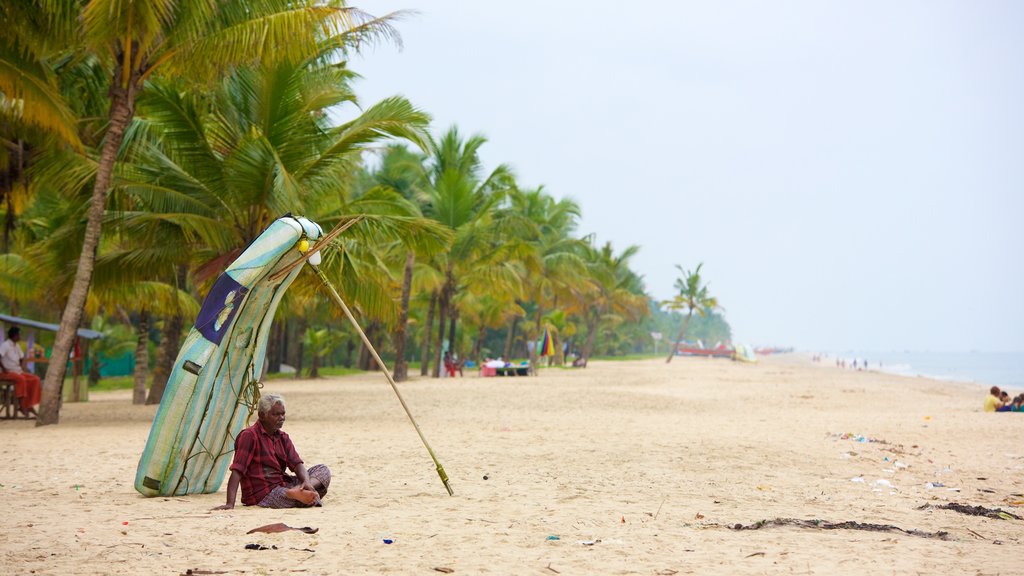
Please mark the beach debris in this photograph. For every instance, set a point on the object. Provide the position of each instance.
(847, 525)
(857, 438)
(931, 485)
(857, 479)
(754, 554)
(883, 482)
(282, 527)
(485, 476)
(623, 520)
(972, 510)
(259, 547)
(200, 572)
(589, 542)
(548, 567)
(388, 540)
(443, 569)
(553, 537)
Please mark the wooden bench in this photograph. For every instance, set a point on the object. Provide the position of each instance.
(512, 371)
(8, 402)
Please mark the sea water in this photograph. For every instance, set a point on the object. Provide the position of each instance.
(1003, 369)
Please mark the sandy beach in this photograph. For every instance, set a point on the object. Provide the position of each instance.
(621, 468)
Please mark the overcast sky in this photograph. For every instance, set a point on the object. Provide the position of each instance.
(851, 174)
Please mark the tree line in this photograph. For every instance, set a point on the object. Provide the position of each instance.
(145, 144)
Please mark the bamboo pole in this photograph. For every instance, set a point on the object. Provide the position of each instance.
(387, 373)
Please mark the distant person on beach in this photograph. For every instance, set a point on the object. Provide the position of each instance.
(1018, 404)
(13, 364)
(1005, 404)
(992, 402)
(262, 452)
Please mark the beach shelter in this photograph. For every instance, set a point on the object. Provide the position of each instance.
(79, 387)
(214, 387)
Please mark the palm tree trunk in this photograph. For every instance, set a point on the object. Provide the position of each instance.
(299, 353)
(593, 320)
(427, 329)
(94, 370)
(442, 316)
(453, 315)
(532, 350)
(401, 366)
(479, 344)
(141, 372)
(122, 108)
(168, 351)
(511, 338)
(682, 332)
(366, 360)
(314, 368)
(274, 348)
(165, 357)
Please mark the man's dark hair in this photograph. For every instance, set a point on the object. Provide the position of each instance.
(13, 331)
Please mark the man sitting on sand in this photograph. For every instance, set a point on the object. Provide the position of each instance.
(992, 402)
(12, 367)
(262, 452)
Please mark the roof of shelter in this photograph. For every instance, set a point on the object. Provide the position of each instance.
(84, 333)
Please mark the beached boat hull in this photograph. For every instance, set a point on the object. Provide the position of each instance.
(213, 387)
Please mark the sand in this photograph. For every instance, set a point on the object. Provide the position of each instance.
(635, 467)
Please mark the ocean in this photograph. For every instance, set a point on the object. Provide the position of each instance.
(1003, 369)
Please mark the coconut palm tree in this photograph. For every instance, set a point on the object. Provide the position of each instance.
(464, 201)
(138, 40)
(551, 262)
(693, 296)
(258, 146)
(614, 294)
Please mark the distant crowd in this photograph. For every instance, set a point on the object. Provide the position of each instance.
(1000, 401)
(855, 364)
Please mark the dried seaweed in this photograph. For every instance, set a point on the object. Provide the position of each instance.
(848, 525)
(996, 513)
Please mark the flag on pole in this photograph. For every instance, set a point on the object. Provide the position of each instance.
(546, 345)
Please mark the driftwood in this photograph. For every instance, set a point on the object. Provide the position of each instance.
(996, 513)
(848, 525)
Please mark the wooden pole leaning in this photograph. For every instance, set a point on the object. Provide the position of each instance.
(387, 373)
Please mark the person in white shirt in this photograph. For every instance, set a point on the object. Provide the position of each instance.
(27, 387)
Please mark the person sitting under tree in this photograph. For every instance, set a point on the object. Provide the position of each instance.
(262, 452)
(13, 364)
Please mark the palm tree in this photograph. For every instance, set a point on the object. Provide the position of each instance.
(35, 34)
(136, 40)
(694, 297)
(401, 170)
(463, 200)
(551, 260)
(258, 146)
(613, 296)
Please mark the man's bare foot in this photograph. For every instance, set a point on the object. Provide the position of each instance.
(307, 497)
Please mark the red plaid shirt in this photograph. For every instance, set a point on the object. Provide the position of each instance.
(261, 459)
